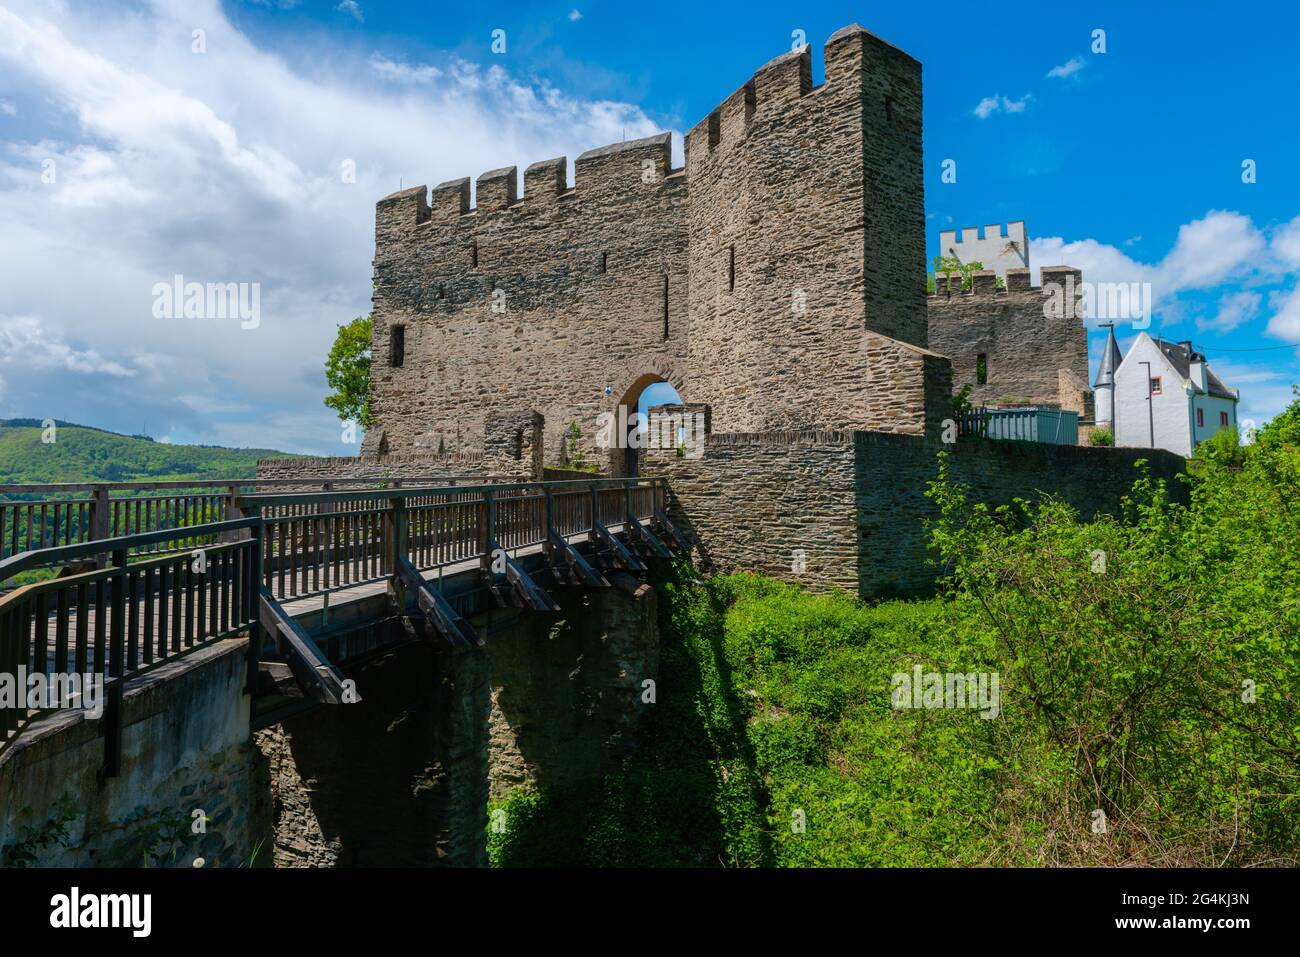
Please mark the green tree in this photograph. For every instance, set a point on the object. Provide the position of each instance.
(347, 371)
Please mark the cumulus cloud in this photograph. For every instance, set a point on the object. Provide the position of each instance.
(25, 341)
(1285, 321)
(1234, 309)
(1207, 251)
(352, 9)
(1286, 244)
(226, 167)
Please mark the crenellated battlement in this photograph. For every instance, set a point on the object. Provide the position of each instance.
(606, 174)
(984, 283)
(785, 81)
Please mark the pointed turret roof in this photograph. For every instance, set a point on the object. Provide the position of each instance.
(1110, 359)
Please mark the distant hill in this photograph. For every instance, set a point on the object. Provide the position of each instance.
(84, 454)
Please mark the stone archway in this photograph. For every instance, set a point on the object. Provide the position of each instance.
(623, 406)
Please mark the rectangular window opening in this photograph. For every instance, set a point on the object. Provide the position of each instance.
(1200, 418)
(665, 307)
(1155, 385)
(982, 369)
(731, 268)
(473, 255)
(396, 346)
(604, 263)
(1223, 418)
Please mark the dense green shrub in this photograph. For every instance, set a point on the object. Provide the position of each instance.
(1149, 667)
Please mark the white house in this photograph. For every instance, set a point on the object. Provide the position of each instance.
(1166, 396)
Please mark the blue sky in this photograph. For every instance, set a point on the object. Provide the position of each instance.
(223, 165)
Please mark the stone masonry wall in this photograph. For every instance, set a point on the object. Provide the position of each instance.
(185, 749)
(806, 219)
(854, 505)
(534, 302)
(1026, 344)
(326, 467)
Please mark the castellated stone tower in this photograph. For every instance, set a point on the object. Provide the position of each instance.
(807, 246)
(778, 279)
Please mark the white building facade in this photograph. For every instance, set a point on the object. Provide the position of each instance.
(1166, 396)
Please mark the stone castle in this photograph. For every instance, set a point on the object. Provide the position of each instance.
(777, 281)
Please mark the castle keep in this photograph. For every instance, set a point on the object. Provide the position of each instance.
(778, 278)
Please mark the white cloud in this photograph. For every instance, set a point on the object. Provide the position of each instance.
(26, 342)
(1068, 68)
(8, 108)
(225, 168)
(1284, 324)
(1286, 243)
(400, 72)
(575, 15)
(1001, 104)
(352, 9)
(1234, 309)
(1207, 252)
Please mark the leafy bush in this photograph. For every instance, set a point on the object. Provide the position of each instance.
(1149, 669)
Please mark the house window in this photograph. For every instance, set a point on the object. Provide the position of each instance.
(1200, 418)
(604, 263)
(396, 346)
(982, 369)
(1223, 418)
(1155, 385)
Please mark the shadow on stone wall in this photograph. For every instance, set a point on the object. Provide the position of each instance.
(402, 777)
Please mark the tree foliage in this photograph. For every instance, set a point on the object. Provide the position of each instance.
(347, 372)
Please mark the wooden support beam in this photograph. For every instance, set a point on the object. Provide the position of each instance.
(528, 592)
(445, 619)
(672, 531)
(580, 567)
(316, 674)
(622, 557)
(647, 537)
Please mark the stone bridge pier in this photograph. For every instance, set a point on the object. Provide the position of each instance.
(404, 776)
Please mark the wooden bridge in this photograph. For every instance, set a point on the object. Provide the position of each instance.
(143, 581)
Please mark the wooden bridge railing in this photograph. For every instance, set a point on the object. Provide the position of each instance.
(37, 516)
(211, 579)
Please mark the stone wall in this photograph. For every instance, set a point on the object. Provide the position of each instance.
(756, 500)
(1025, 344)
(847, 510)
(186, 749)
(807, 223)
(405, 467)
(403, 777)
(537, 302)
(779, 278)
